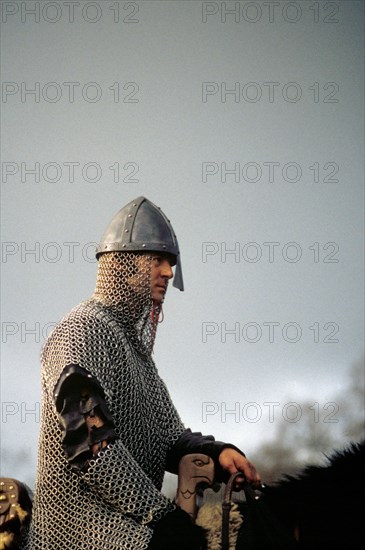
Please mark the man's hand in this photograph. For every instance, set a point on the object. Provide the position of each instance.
(232, 461)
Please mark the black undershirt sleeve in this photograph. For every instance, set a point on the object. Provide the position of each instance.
(194, 442)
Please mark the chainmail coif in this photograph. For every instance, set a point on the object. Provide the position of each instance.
(115, 500)
(123, 284)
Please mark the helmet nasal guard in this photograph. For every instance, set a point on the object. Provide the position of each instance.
(141, 226)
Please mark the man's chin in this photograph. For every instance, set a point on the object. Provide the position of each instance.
(158, 297)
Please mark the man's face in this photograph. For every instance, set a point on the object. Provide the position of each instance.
(161, 272)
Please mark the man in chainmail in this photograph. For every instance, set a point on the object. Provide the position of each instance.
(109, 429)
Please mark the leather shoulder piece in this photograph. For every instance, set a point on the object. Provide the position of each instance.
(77, 395)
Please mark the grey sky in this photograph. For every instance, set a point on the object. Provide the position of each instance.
(247, 130)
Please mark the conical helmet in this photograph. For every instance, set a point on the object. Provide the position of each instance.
(142, 226)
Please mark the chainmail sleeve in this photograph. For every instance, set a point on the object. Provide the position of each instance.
(120, 481)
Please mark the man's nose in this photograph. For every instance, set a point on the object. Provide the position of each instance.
(166, 270)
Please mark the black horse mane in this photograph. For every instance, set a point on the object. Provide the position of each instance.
(326, 502)
(339, 471)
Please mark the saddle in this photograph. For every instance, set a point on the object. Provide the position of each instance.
(248, 524)
(15, 512)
